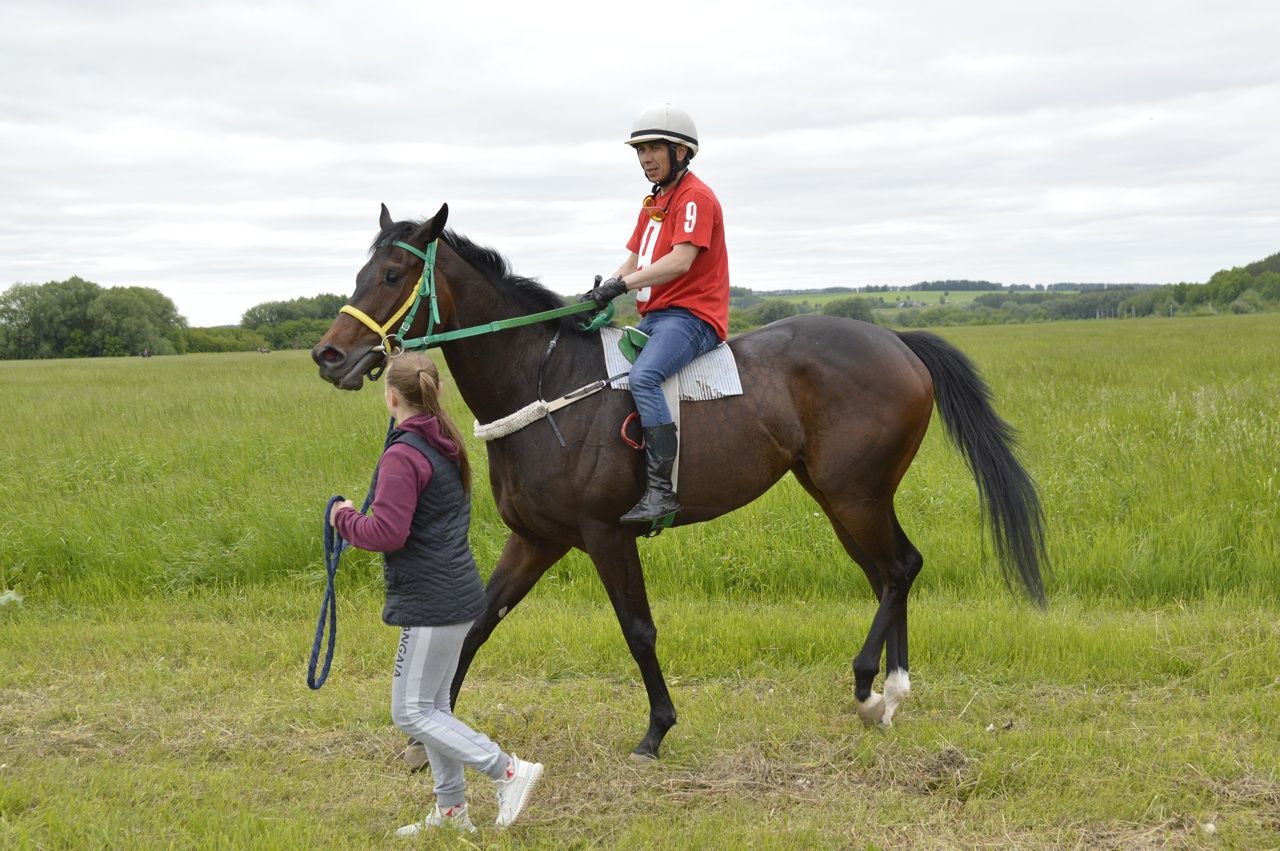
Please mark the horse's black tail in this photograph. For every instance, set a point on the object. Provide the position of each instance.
(1010, 503)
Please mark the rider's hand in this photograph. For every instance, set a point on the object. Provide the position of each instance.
(603, 293)
(587, 296)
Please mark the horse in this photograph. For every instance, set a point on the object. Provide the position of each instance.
(841, 404)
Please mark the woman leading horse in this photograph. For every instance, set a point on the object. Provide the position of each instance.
(841, 404)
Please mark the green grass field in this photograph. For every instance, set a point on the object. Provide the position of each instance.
(163, 529)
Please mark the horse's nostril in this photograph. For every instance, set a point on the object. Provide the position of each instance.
(328, 356)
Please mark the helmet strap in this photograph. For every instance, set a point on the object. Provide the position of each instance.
(674, 171)
(669, 184)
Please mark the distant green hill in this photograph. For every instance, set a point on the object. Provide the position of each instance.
(1270, 264)
(1243, 289)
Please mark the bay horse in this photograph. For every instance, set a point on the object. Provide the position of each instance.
(843, 405)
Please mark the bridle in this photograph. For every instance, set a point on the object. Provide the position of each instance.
(426, 288)
(394, 344)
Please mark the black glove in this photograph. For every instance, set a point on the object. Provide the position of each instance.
(589, 296)
(603, 293)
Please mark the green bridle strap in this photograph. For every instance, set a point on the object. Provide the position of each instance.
(597, 322)
(426, 287)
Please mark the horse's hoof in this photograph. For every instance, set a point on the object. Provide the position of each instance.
(644, 758)
(415, 756)
(871, 710)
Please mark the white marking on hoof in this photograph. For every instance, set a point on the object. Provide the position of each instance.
(871, 710)
(643, 758)
(896, 688)
(502, 613)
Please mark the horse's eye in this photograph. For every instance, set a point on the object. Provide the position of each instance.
(392, 277)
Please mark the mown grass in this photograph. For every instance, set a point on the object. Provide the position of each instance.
(164, 523)
(187, 724)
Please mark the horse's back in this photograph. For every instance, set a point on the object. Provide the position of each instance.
(837, 396)
(859, 361)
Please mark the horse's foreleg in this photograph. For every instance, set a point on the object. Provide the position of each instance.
(521, 565)
(618, 562)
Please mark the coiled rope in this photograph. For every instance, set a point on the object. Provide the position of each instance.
(334, 544)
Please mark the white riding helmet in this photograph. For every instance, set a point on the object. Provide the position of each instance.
(664, 121)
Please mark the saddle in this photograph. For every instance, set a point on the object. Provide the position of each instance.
(713, 375)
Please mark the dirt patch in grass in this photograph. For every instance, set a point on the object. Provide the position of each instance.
(796, 772)
(947, 770)
(1260, 795)
(1179, 832)
(800, 771)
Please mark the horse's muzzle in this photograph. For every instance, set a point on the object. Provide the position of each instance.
(344, 370)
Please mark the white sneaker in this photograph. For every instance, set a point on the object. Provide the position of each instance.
(513, 792)
(455, 818)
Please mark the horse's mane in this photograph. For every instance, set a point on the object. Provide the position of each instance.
(527, 293)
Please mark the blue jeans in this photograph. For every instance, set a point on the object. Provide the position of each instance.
(676, 337)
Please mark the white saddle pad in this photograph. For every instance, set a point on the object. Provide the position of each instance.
(710, 376)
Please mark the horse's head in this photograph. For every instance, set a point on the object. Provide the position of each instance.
(386, 292)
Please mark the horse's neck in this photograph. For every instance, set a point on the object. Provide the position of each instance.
(497, 373)
(492, 382)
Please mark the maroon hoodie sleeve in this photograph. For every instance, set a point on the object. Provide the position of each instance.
(403, 472)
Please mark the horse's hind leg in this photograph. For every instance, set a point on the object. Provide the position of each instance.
(878, 537)
(897, 681)
(869, 532)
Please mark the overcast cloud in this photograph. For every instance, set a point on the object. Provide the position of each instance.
(233, 153)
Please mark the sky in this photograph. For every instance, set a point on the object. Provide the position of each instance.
(233, 153)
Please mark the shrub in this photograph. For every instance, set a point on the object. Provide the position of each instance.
(224, 339)
(770, 311)
(850, 308)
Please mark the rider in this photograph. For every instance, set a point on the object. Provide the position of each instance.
(680, 268)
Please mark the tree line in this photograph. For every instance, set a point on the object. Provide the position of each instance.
(78, 318)
(1243, 289)
(294, 324)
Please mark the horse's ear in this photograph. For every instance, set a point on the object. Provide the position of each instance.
(384, 220)
(432, 227)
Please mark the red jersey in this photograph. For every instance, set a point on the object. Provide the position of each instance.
(692, 215)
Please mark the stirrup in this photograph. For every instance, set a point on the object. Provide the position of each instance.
(643, 516)
(663, 522)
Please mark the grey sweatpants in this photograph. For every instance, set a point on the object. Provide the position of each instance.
(426, 660)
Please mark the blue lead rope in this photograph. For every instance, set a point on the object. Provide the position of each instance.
(333, 547)
(334, 544)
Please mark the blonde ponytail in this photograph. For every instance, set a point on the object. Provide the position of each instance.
(414, 376)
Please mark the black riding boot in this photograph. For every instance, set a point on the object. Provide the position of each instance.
(659, 499)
